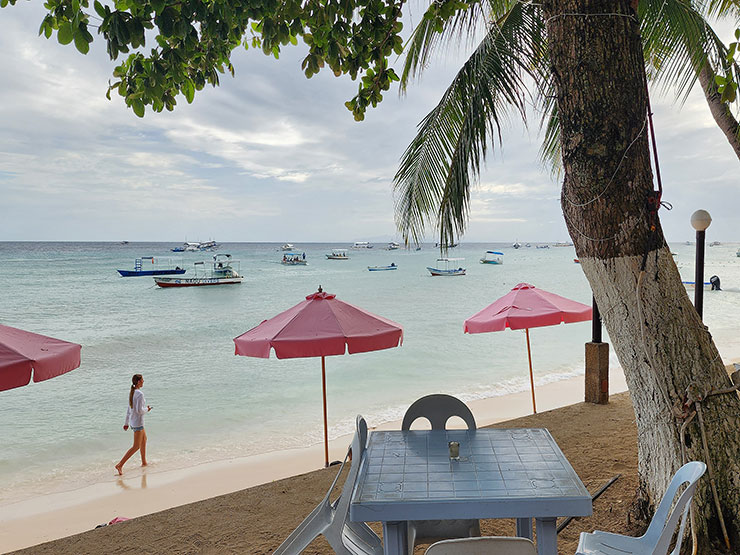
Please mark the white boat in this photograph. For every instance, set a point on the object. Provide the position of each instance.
(391, 266)
(715, 244)
(288, 247)
(392, 246)
(447, 271)
(362, 245)
(294, 259)
(738, 252)
(563, 244)
(338, 254)
(516, 244)
(221, 273)
(492, 257)
(543, 246)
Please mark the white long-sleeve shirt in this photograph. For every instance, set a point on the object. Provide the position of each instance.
(135, 414)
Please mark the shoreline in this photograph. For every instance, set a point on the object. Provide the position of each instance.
(142, 491)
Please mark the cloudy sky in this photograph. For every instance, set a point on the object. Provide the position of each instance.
(273, 156)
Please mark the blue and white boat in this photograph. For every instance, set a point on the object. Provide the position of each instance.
(156, 268)
(492, 257)
(392, 266)
(447, 271)
(222, 272)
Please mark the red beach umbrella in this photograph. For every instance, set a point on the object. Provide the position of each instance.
(526, 307)
(322, 325)
(23, 354)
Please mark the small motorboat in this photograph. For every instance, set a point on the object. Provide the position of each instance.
(338, 254)
(222, 273)
(391, 266)
(294, 259)
(447, 271)
(492, 257)
(288, 247)
(393, 246)
(156, 269)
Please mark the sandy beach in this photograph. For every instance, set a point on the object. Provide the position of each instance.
(143, 491)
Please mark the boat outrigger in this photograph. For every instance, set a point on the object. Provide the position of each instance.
(156, 269)
(447, 271)
(222, 273)
(492, 257)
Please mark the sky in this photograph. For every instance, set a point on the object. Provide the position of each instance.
(272, 156)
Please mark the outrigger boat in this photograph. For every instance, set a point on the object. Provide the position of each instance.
(155, 270)
(294, 259)
(447, 271)
(492, 257)
(222, 273)
(338, 254)
(392, 266)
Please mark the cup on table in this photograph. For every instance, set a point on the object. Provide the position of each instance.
(454, 449)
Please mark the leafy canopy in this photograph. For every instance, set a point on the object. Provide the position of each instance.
(193, 41)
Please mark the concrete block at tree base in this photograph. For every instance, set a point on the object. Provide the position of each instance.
(597, 373)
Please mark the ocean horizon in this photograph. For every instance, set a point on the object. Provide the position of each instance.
(210, 405)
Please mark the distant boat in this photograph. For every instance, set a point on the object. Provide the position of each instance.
(516, 245)
(294, 259)
(288, 247)
(392, 266)
(362, 245)
(492, 257)
(715, 244)
(338, 254)
(563, 244)
(543, 246)
(447, 271)
(576, 261)
(441, 245)
(156, 268)
(738, 252)
(123, 242)
(392, 246)
(221, 273)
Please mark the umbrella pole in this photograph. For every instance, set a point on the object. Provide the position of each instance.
(531, 375)
(326, 428)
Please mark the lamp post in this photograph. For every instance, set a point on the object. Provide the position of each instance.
(700, 221)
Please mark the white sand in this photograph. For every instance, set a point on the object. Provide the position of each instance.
(143, 491)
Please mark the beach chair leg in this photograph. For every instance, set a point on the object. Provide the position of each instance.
(524, 528)
(395, 541)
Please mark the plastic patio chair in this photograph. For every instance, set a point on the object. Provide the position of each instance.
(657, 538)
(332, 518)
(438, 409)
(496, 545)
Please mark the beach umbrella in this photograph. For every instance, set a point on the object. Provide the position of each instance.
(526, 307)
(24, 354)
(320, 326)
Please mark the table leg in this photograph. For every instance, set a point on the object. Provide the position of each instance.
(547, 536)
(395, 541)
(524, 528)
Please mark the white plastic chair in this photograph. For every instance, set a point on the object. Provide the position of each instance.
(332, 518)
(657, 538)
(483, 546)
(438, 409)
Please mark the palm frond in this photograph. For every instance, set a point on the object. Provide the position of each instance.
(437, 167)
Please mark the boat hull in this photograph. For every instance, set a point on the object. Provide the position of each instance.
(135, 273)
(330, 257)
(381, 268)
(483, 261)
(196, 282)
(440, 272)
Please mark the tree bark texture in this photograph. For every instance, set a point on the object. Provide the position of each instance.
(661, 343)
(720, 111)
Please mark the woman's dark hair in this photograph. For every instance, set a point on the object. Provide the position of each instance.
(134, 381)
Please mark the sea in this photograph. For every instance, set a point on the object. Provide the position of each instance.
(210, 405)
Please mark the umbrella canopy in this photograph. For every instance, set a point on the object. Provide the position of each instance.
(526, 307)
(24, 354)
(322, 325)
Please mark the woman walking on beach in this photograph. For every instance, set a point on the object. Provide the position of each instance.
(137, 407)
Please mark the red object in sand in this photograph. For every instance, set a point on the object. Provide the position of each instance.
(322, 325)
(526, 307)
(24, 354)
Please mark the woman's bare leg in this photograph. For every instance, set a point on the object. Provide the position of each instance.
(130, 452)
(142, 449)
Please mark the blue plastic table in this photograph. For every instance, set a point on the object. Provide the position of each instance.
(501, 473)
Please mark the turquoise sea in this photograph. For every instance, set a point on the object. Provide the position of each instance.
(212, 405)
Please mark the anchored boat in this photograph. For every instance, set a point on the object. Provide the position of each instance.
(156, 269)
(492, 257)
(294, 259)
(221, 273)
(392, 266)
(447, 271)
(338, 254)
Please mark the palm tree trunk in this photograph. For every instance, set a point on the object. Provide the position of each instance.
(720, 110)
(661, 343)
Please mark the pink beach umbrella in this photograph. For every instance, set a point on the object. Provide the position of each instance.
(526, 307)
(322, 325)
(24, 354)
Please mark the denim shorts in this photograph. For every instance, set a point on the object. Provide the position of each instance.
(137, 428)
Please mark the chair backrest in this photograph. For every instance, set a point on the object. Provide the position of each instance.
(662, 526)
(483, 546)
(438, 408)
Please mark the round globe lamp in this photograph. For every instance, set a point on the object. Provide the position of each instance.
(700, 221)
